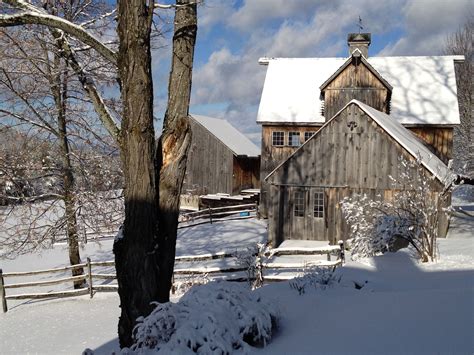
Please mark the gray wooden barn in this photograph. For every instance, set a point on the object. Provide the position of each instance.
(354, 152)
(301, 94)
(221, 159)
(354, 146)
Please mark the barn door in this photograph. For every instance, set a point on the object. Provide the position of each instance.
(316, 213)
(297, 210)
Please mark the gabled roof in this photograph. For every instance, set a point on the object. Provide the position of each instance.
(424, 89)
(238, 143)
(400, 134)
(355, 54)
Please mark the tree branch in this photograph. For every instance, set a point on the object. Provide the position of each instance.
(35, 16)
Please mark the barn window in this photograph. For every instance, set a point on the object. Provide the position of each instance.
(299, 198)
(278, 138)
(318, 204)
(294, 139)
(308, 135)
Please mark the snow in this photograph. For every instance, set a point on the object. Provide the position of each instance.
(402, 306)
(402, 135)
(228, 135)
(424, 89)
(408, 141)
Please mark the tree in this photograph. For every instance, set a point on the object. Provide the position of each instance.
(40, 95)
(153, 175)
(461, 43)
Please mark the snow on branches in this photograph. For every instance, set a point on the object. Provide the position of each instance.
(217, 318)
(409, 218)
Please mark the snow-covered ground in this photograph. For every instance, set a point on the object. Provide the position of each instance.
(402, 307)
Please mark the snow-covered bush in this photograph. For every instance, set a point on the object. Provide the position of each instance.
(217, 318)
(411, 216)
(315, 278)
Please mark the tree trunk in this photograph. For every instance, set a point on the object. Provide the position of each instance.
(59, 90)
(175, 139)
(135, 257)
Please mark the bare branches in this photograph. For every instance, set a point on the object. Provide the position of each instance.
(37, 16)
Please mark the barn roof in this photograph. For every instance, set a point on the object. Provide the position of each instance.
(236, 141)
(401, 135)
(424, 88)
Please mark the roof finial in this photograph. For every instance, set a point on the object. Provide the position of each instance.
(360, 24)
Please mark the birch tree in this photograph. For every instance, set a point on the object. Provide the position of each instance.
(153, 174)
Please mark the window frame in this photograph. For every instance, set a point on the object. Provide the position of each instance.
(319, 203)
(290, 141)
(274, 133)
(299, 203)
(308, 135)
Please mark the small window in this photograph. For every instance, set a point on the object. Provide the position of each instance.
(294, 139)
(308, 135)
(318, 204)
(299, 197)
(278, 138)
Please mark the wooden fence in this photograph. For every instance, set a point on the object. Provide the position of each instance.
(272, 266)
(210, 215)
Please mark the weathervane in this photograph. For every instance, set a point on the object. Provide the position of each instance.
(360, 24)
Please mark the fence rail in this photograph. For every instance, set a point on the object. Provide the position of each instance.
(276, 261)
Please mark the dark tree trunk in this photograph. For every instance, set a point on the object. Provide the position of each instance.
(144, 257)
(135, 257)
(59, 91)
(175, 139)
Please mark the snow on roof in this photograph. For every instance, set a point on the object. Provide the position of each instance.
(229, 135)
(400, 134)
(408, 141)
(424, 89)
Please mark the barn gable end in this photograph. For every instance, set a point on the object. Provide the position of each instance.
(355, 152)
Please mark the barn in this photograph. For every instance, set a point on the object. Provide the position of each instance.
(221, 159)
(396, 99)
(356, 151)
(301, 94)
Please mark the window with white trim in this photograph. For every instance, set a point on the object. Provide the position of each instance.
(294, 139)
(278, 138)
(318, 203)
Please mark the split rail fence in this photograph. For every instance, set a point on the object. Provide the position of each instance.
(275, 267)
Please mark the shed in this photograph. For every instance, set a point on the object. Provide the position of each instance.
(354, 152)
(221, 159)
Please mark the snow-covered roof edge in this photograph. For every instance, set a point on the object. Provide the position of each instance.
(230, 136)
(417, 149)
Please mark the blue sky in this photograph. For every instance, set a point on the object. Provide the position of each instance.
(233, 34)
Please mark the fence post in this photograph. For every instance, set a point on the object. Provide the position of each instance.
(342, 255)
(89, 271)
(210, 215)
(2, 292)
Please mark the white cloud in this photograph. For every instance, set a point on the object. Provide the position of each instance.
(307, 28)
(427, 24)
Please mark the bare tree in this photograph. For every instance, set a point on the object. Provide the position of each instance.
(461, 43)
(153, 177)
(40, 94)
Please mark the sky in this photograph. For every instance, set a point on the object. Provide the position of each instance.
(234, 34)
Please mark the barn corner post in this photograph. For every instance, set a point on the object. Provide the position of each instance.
(175, 140)
(135, 262)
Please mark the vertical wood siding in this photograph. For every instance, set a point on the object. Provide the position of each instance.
(273, 156)
(352, 154)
